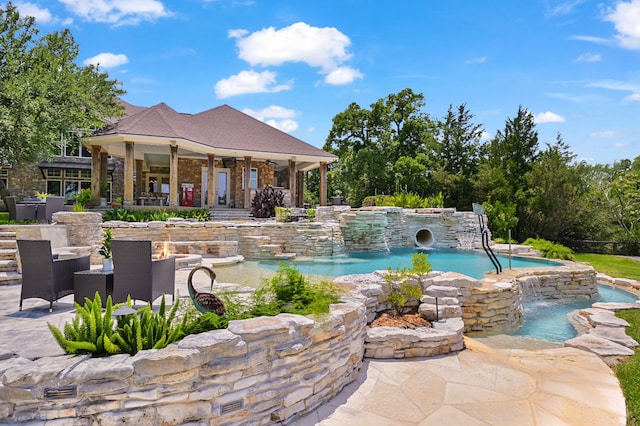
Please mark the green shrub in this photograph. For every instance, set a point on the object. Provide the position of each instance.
(92, 331)
(549, 249)
(289, 291)
(406, 283)
(407, 200)
(126, 215)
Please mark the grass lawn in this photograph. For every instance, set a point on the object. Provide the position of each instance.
(629, 371)
(614, 266)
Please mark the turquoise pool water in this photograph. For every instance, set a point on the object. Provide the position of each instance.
(547, 319)
(471, 263)
(543, 319)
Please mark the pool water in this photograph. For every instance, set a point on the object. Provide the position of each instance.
(547, 319)
(469, 262)
(543, 319)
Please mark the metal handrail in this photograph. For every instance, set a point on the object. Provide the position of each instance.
(478, 210)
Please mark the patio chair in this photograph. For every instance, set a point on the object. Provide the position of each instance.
(43, 276)
(136, 274)
(20, 211)
(52, 205)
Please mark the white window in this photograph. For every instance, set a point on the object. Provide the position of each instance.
(254, 178)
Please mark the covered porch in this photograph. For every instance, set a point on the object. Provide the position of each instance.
(204, 160)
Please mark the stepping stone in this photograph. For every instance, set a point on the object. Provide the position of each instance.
(598, 345)
(608, 319)
(614, 334)
(616, 306)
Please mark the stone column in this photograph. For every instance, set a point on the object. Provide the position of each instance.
(104, 169)
(247, 182)
(323, 184)
(292, 183)
(140, 184)
(300, 181)
(96, 173)
(173, 175)
(211, 182)
(127, 199)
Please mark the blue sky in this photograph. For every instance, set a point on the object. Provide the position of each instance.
(575, 64)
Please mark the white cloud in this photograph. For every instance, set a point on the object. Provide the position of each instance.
(634, 97)
(610, 134)
(117, 12)
(287, 126)
(615, 85)
(273, 111)
(548, 117)
(323, 48)
(342, 75)
(485, 136)
(249, 82)
(625, 17)
(107, 60)
(589, 57)
(276, 116)
(42, 16)
(590, 39)
(477, 60)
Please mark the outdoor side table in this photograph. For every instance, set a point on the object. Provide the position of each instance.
(86, 283)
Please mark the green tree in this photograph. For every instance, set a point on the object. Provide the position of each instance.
(456, 156)
(507, 159)
(552, 198)
(44, 94)
(378, 146)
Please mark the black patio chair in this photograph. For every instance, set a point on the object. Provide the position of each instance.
(136, 274)
(43, 276)
(52, 205)
(20, 211)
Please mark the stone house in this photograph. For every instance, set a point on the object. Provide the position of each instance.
(159, 155)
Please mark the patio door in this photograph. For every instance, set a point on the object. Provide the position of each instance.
(222, 186)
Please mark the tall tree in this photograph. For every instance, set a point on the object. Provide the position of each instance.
(456, 156)
(551, 204)
(44, 94)
(508, 157)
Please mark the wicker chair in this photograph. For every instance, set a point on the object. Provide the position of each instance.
(136, 274)
(43, 276)
(20, 211)
(52, 205)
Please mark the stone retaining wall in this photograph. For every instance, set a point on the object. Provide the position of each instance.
(259, 371)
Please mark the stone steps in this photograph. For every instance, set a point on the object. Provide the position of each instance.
(10, 277)
(8, 254)
(10, 265)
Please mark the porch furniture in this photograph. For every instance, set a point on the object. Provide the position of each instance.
(43, 276)
(136, 274)
(86, 283)
(47, 209)
(19, 211)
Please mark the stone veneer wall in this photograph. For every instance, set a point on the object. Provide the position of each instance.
(259, 371)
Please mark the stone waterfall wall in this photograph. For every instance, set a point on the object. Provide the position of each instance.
(382, 228)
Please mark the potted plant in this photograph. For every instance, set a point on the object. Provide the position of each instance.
(117, 202)
(105, 250)
(84, 198)
(42, 196)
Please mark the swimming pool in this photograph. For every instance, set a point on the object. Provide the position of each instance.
(547, 319)
(469, 262)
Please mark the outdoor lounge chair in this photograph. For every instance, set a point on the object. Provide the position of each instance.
(43, 276)
(20, 211)
(52, 205)
(136, 274)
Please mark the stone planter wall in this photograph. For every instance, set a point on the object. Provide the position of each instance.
(259, 371)
(444, 337)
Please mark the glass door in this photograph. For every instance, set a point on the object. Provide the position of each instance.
(222, 188)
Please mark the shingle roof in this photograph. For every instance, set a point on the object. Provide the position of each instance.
(222, 128)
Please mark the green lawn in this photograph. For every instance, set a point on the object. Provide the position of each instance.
(614, 266)
(629, 371)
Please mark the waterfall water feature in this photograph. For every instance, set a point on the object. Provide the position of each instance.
(531, 287)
